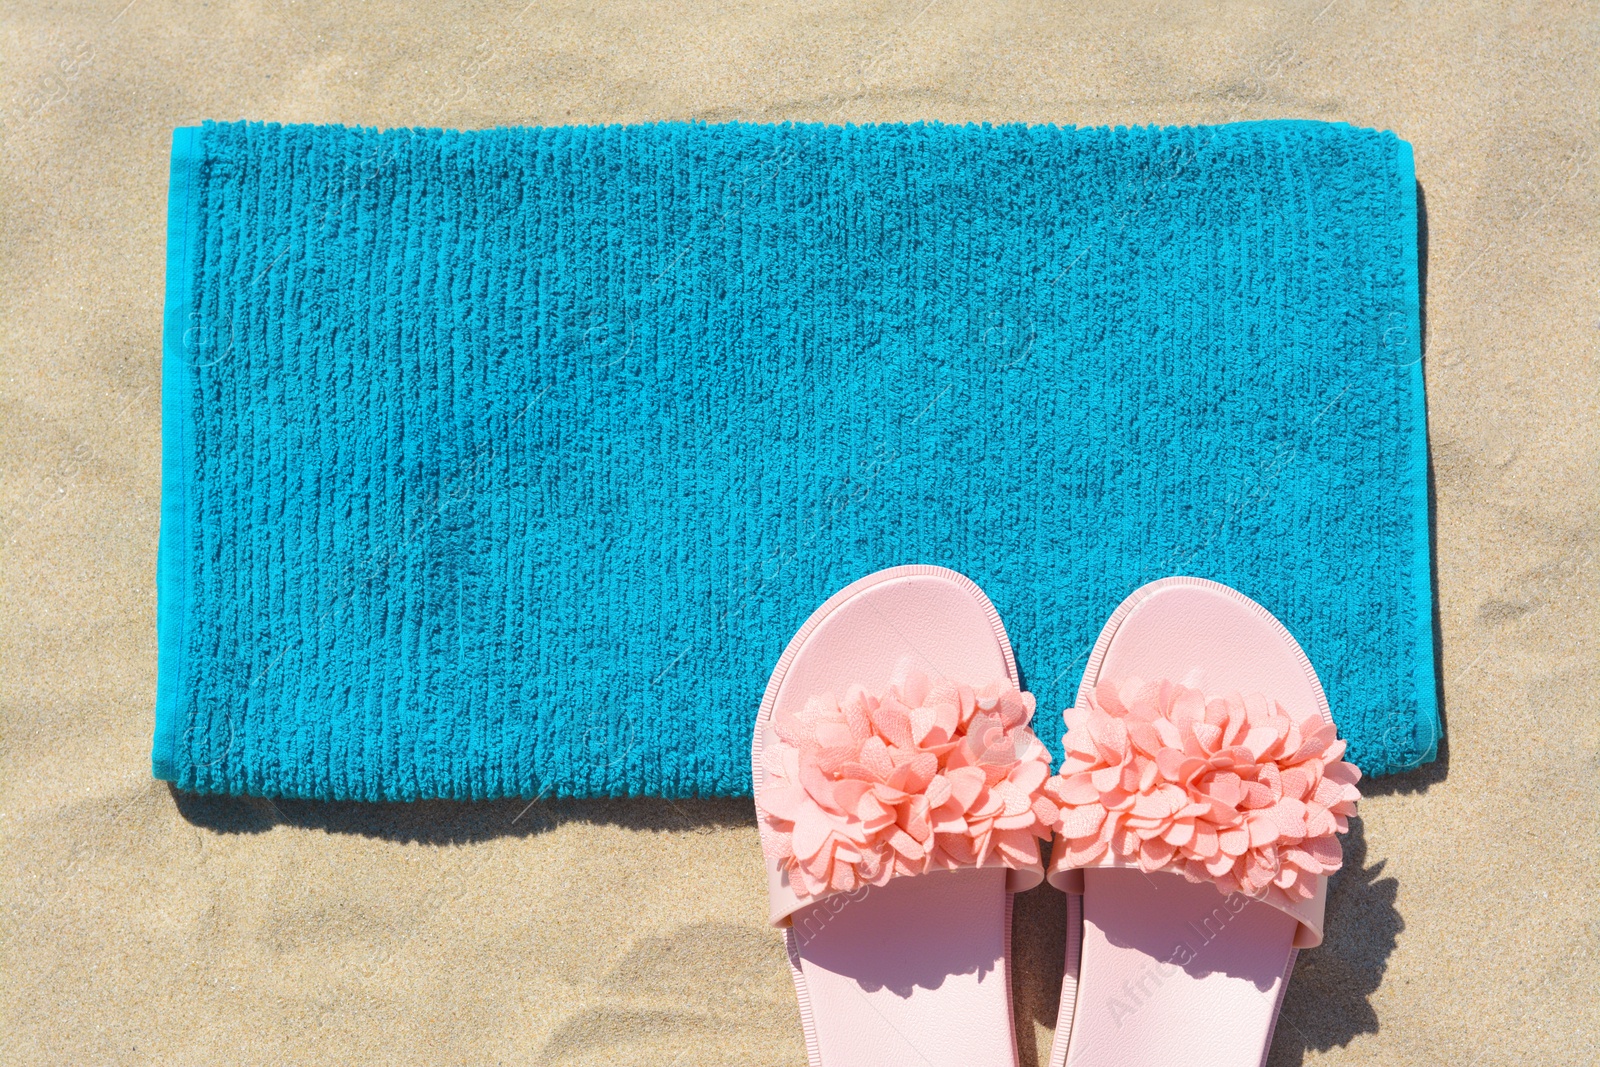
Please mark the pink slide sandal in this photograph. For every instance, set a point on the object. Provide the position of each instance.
(897, 785)
(1200, 795)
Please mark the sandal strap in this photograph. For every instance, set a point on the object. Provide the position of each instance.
(920, 777)
(1230, 789)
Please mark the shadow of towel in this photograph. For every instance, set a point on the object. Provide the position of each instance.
(451, 822)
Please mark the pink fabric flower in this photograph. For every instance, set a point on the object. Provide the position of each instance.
(1232, 789)
(922, 777)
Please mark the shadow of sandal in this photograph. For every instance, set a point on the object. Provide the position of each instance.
(1038, 943)
(1328, 1002)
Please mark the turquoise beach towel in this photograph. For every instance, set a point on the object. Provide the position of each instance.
(506, 462)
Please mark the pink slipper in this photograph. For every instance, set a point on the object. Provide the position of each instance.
(1200, 795)
(898, 789)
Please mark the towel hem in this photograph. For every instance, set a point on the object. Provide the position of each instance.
(1427, 724)
(171, 585)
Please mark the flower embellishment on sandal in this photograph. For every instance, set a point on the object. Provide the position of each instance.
(923, 776)
(1229, 789)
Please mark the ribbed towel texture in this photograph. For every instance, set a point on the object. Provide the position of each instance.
(506, 462)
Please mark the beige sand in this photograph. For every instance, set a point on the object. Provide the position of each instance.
(140, 926)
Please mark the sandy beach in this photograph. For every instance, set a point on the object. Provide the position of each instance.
(142, 925)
